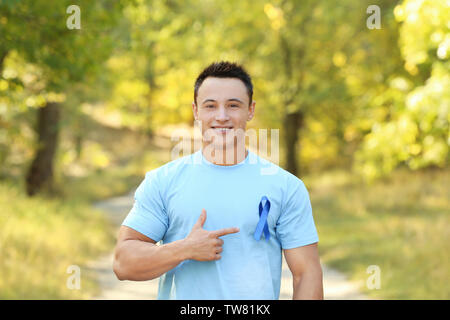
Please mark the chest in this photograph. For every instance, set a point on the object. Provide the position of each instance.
(227, 204)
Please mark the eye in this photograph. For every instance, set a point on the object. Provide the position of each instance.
(209, 106)
(234, 106)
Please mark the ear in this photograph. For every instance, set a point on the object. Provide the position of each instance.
(251, 111)
(195, 110)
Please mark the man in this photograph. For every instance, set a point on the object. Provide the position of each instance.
(222, 222)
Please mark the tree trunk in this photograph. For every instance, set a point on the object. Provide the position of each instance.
(40, 174)
(290, 119)
(150, 77)
(3, 55)
(78, 145)
(292, 124)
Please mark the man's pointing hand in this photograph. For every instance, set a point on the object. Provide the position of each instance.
(205, 245)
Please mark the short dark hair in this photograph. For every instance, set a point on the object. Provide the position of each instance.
(225, 69)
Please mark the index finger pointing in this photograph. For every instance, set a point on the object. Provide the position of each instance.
(225, 231)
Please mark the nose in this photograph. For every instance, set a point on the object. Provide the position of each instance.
(221, 114)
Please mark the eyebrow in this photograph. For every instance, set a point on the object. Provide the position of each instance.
(235, 99)
(232, 99)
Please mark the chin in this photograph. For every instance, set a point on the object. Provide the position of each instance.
(227, 146)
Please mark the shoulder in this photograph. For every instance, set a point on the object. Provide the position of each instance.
(169, 170)
(158, 180)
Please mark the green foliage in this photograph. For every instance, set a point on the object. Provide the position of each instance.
(419, 135)
(41, 61)
(64, 55)
(424, 34)
(373, 92)
(417, 131)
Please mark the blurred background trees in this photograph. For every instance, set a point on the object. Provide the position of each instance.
(342, 94)
(84, 113)
(35, 36)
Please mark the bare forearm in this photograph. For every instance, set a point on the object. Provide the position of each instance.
(308, 287)
(139, 260)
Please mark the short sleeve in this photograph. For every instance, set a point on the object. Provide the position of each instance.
(295, 226)
(148, 215)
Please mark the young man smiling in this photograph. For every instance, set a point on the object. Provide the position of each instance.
(234, 251)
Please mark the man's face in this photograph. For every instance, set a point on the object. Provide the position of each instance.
(222, 105)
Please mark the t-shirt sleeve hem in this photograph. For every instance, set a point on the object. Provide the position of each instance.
(300, 243)
(139, 228)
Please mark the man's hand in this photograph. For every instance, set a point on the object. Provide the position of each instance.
(205, 245)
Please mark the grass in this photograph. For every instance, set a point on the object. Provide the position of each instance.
(40, 238)
(400, 224)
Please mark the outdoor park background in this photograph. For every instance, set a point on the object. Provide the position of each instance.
(363, 117)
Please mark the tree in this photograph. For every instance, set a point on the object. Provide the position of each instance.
(415, 131)
(64, 57)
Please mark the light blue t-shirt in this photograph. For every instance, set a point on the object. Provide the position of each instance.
(170, 200)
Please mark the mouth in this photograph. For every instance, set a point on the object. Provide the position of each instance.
(222, 129)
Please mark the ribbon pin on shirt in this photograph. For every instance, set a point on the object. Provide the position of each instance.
(262, 223)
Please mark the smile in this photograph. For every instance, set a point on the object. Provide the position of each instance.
(222, 130)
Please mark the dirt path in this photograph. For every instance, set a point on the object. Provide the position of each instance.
(336, 285)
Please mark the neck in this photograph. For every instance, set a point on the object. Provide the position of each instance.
(225, 156)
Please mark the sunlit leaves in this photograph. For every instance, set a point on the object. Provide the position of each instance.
(383, 92)
(415, 131)
(425, 28)
(418, 136)
(275, 15)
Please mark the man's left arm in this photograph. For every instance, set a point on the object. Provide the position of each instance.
(304, 264)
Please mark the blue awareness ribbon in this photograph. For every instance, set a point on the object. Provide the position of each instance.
(262, 223)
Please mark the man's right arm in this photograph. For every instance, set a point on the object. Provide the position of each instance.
(138, 258)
